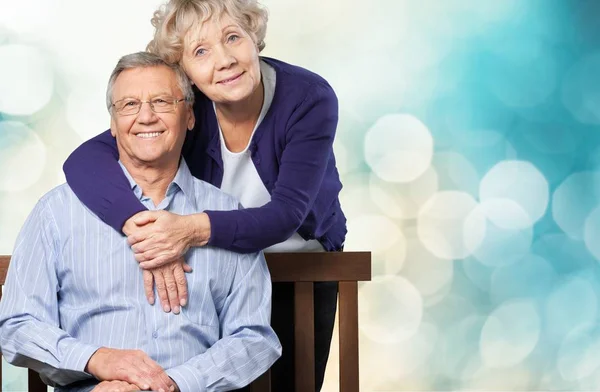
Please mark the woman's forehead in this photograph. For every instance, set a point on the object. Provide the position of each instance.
(211, 26)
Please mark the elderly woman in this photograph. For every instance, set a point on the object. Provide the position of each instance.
(264, 133)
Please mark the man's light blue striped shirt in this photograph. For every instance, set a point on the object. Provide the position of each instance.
(73, 286)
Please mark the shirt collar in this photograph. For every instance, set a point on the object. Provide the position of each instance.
(183, 181)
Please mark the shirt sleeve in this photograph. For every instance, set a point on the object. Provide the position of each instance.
(248, 346)
(29, 320)
(94, 174)
(309, 141)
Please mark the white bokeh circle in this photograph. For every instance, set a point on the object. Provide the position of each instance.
(376, 233)
(510, 334)
(579, 353)
(441, 224)
(532, 277)
(390, 310)
(403, 200)
(428, 273)
(508, 232)
(398, 148)
(591, 232)
(520, 181)
(562, 316)
(573, 201)
(22, 156)
(26, 80)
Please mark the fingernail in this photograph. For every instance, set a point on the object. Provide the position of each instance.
(151, 301)
(166, 308)
(182, 302)
(176, 309)
(172, 387)
(161, 390)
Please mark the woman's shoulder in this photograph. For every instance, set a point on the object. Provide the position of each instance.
(291, 76)
(295, 84)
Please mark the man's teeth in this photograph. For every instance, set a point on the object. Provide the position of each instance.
(148, 135)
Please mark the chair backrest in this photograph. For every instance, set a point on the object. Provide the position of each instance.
(303, 269)
(35, 384)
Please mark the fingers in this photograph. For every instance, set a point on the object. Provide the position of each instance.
(145, 217)
(160, 379)
(181, 282)
(149, 286)
(114, 386)
(154, 263)
(161, 289)
(172, 286)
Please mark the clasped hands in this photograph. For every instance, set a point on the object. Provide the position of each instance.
(159, 239)
(127, 370)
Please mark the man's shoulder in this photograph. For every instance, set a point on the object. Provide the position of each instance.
(209, 197)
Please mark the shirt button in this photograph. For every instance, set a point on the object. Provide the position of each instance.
(155, 334)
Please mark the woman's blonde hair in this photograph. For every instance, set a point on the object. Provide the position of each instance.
(174, 19)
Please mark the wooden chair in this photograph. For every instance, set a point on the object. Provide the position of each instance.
(35, 383)
(303, 269)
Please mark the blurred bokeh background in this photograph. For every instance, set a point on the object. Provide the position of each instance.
(468, 148)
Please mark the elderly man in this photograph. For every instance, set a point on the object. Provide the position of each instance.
(74, 305)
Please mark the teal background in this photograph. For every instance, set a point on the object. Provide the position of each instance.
(467, 145)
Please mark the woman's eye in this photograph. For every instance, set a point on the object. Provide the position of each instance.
(200, 52)
(233, 38)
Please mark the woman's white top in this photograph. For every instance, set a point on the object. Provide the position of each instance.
(241, 180)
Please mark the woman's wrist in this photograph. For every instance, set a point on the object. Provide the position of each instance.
(200, 229)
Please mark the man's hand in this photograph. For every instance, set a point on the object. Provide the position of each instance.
(161, 237)
(171, 285)
(131, 366)
(115, 386)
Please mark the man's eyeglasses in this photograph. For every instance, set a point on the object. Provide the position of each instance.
(131, 106)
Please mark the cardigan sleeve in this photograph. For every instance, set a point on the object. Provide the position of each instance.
(94, 174)
(309, 139)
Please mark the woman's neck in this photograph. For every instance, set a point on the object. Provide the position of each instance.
(237, 120)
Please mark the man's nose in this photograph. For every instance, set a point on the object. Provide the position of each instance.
(146, 113)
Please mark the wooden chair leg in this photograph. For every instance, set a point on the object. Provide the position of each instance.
(348, 294)
(262, 383)
(35, 383)
(304, 336)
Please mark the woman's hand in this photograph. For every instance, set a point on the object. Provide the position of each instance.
(161, 237)
(171, 285)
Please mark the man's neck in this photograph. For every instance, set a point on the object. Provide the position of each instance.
(152, 179)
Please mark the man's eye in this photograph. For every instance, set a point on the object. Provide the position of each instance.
(130, 103)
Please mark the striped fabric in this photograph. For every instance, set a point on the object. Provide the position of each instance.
(73, 285)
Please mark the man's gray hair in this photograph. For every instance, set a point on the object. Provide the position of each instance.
(144, 60)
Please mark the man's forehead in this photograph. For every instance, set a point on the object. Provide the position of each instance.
(154, 79)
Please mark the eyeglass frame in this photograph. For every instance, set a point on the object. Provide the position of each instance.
(149, 102)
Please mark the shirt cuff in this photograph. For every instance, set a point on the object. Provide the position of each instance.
(187, 378)
(222, 229)
(77, 357)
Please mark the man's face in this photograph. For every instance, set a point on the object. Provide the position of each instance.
(150, 138)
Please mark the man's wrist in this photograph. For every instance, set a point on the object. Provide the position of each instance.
(92, 363)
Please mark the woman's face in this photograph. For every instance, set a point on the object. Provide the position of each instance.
(222, 60)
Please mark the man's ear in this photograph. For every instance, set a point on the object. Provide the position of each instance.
(191, 119)
(113, 127)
